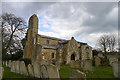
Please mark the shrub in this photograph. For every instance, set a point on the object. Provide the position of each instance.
(26, 60)
(105, 62)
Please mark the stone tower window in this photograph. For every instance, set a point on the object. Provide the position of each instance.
(87, 55)
(47, 41)
(87, 48)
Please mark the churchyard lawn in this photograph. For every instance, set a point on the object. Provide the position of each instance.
(8, 75)
(99, 72)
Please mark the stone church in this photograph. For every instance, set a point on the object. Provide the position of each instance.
(40, 47)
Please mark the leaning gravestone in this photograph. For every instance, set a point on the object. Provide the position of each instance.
(17, 66)
(97, 61)
(23, 69)
(30, 70)
(53, 71)
(36, 67)
(44, 71)
(87, 66)
(75, 64)
(13, 66)
(116, 70)
(77, 75)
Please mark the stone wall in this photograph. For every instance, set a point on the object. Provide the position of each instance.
(86, 52)
(72, 49)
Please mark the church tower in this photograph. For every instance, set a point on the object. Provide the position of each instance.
(31, 36)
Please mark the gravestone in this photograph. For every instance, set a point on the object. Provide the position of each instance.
(75, 64)
(17, 66)
(87, 66)
(77, 75)
(1, 72)
(44, 62)
(13, 66)
(9, 63)
(53, 71)
(36, 67)
(30, 70)
(112, 59)
(97, 61)
(116, 70)
(6, 63)
(23, 69)
(44, 71)
(58, 65)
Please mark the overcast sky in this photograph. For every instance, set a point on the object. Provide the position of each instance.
(86, 21)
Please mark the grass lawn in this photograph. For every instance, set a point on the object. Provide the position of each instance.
(99, 72)
(8, 75)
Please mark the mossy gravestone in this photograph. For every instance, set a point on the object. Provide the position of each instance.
(36, 67)
(13, 66)
(44, 71)
(87, 66)
(30, 70)
(23, 68)
(75, 64)
(17, 66)
(53, 71)
(97, 61)
(116, 70)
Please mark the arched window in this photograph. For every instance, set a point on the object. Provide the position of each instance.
(87, 55)
(73, 57)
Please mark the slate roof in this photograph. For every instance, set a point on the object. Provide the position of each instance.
(44, 36)
(50, 47)
(62, 42)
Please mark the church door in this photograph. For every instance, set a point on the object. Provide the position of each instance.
(73, 57)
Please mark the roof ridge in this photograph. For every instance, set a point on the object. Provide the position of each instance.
(51, 37)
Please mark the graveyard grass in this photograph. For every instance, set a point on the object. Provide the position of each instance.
(11, 75)
(99, 72)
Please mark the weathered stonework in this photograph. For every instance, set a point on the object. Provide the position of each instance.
(55, 50)
(30, 70)
(36, 67)
(97, 61)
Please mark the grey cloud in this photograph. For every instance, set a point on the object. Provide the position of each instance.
(70, 15)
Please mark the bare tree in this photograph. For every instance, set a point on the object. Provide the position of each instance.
(112, 42)
(103, 42)
(107, 43)
(12, 27)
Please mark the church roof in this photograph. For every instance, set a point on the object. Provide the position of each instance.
(44, 36)
(62, 42)
(50, 47)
